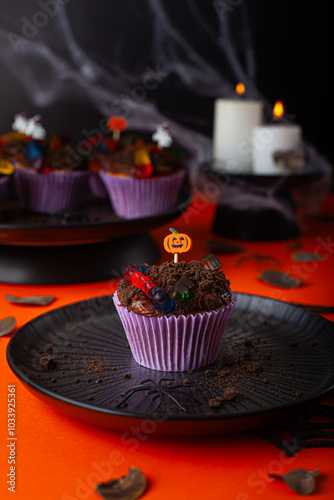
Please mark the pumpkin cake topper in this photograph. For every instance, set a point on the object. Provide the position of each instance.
(117, 124)
(177, 243)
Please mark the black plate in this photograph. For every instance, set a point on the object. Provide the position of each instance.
(286, 351)
(94, 222)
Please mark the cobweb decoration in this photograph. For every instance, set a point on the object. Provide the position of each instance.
(305, 433)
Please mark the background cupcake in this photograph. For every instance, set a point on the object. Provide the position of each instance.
(49, 174)
(142, 178)
(189, 336)
(4, 181)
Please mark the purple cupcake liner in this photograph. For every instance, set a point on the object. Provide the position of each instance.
(51, 192)
(175, 343)
(132, 198)
(4, 184)
(97, 187)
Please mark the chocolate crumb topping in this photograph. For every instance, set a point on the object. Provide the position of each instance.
(211, 290)
(122, 160)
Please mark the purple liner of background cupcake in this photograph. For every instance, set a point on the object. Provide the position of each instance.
(4, 183)
(51, 192)
(175, 343)
(133, 198)
(97, 187)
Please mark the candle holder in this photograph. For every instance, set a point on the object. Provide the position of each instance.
(258, 225)
(259, 207)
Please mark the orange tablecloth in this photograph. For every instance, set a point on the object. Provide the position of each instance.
(61, 458)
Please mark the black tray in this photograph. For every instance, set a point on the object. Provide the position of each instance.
(96, 379)
(91, 244)
(94, 222)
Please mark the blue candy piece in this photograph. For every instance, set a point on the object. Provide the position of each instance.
(142, 268)
(32, 151)
(160, 300)
(182, 289)
(103, 148)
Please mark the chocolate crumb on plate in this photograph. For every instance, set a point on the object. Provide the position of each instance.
(48, 363)
(216, 402)
(230, 393)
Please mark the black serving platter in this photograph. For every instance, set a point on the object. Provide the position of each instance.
(289, 351)
(94, 222)
(56, 249)
(277, 183)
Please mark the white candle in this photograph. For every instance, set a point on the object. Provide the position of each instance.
(276, 148)
(234, 120)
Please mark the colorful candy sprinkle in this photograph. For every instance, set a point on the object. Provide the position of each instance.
(182, 290)
(211, 262)
(158, 297)
(143, 268)
(142, 306)
(32, 151)
(142, 160)
(6, 167)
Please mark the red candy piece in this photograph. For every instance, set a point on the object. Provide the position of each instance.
(94, 166)
(46, 170)
(110, 143)
(134, 277)
(55, 143)
(143, 171)
(159, 298)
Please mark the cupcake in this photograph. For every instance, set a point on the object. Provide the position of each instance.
(142, 178)
(197, 304)
(49, 175)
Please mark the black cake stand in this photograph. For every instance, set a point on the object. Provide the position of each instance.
(92, 244)
(258, 224)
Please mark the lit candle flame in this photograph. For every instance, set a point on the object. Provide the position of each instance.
(278, 110)
(240, 88)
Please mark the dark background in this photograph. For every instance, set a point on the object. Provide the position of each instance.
(282, 49)
(294, 53)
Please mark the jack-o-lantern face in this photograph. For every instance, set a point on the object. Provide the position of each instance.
(117, 123)
(177, 243)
